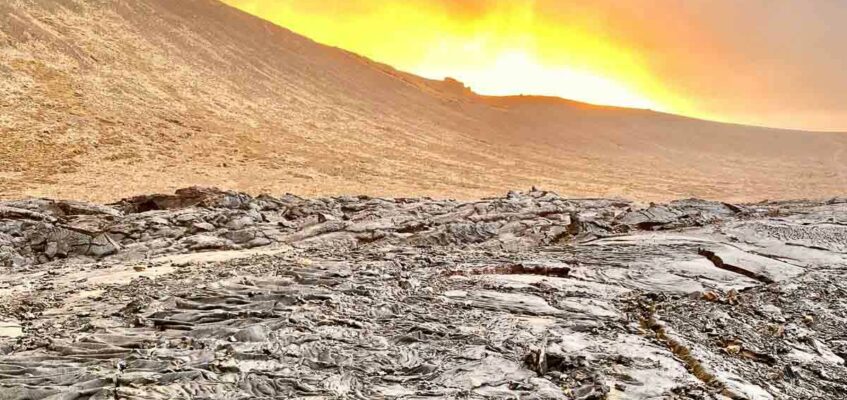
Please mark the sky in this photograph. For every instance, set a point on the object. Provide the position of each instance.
(779, 63)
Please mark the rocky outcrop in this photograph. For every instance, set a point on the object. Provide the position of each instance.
(196, 219)
(215, 294)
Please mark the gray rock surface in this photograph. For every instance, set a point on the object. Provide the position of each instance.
(220, 295)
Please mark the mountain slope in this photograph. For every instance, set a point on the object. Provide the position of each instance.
(104, 99)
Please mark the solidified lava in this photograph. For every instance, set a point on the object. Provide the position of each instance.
(220, 295)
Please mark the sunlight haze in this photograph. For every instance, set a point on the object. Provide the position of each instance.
(696, 58)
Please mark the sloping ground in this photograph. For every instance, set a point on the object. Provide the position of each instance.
(104, 99)
(219, 295)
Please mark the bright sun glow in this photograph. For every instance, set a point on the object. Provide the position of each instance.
(505, 49)
(516, 72)
(692, 58)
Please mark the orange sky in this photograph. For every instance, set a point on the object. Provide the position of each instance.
(777, 63)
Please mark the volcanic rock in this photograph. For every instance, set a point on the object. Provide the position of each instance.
(220, 295)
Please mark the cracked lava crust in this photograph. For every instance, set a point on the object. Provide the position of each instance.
(219, 295)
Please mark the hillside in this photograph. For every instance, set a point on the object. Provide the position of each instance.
(105, 99)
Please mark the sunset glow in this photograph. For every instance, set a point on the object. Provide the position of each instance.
(698, 59)
(496, 48)
(517, 72)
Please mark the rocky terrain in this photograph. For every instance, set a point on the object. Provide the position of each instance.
(220, 295)
(215, 294)
(104, 99)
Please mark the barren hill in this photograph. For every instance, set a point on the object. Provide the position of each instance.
(104, 99)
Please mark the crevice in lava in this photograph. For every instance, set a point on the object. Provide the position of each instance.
(718, 262)
(696, 367)
(515, 269)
